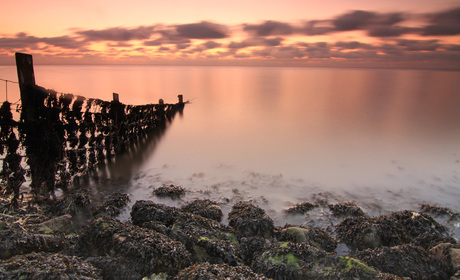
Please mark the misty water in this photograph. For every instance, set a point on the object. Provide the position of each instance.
(385, 139)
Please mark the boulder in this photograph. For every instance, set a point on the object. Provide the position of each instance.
(201, 271)
(406, 261)
(311, 236)
(147, 250)
(300, 208)
(205, 208)
(113, 206)
(286, 260)
(387, 230)
(250, 220)
(346, 209)
(43, 266)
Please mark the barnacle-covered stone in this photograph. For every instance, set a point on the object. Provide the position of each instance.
(171, 191)
(406, 261)
(346, 209)
(251, 247)
(300, 208)
(312, 236)
(205, 270)
(206, 239)
(117, 268)
(387, 230)
(250, 220)
(145, 211)
(43, 266)
(113, 206)
(205, 208)
(286, 260)
(151, 251)
(16, 241)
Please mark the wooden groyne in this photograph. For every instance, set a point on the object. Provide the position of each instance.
(64, 136)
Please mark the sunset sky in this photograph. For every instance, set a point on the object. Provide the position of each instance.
(358, 33)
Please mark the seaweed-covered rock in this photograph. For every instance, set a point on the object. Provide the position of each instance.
(406, 261)
(205, 208)
(439, 211)
(249, 220)
(429, 240)
(312, 236)
(148, 250)
(449, 253)
(217, 271)
(300, 208)
(43, 266)
(76, 203)
(146, 211)
(387, 230)
(171, 191)
(113, 206)
(116, 268)
(17, 242)
(288, 260)
(346, 209)
(206, 239)
(251, 247)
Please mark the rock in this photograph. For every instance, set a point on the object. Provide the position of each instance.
(286, 260)
(17, 242)
(41, 266)
(113, 206)
(206, 239)
(58, 224)
(146, 211)
(300, 208)
(171, 191)
(218, 271)
(311, 236)
(346, 209)
(387, 230)
(116, 268)
(406, 261)
(251, 247)
(205, 208)
(149, 251)
(249, 220)
(429, 240)
(450, 253)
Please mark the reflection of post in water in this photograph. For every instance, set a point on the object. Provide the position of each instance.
(122, 167)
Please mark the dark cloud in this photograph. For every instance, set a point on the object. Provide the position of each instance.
(353, 20)
(256, 41)
(419, 45)
(202, 30)
(211, 45)
(118, 34)
(353, 45)
(269, 28)
(316, 27)
(23, 40)
(389, 31)
(444, 23)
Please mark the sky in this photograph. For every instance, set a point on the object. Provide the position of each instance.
(337, 33)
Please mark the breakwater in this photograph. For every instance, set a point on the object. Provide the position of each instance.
(60, 138)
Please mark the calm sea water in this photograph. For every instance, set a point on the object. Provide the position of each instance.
(386, 139)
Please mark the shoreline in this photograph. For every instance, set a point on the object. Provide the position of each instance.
(73, 228)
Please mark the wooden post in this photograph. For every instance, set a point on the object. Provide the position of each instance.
(27, 86)
(116, 97)
(181, 98)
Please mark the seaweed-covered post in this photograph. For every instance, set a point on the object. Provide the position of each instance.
(40, 131)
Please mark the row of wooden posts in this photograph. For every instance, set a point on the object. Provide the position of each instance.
(65, 136)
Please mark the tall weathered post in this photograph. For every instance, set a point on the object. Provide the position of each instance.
(44, 148)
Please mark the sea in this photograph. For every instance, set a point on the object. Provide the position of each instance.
(385, 139)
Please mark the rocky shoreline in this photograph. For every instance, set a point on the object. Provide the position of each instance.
(69, 238)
